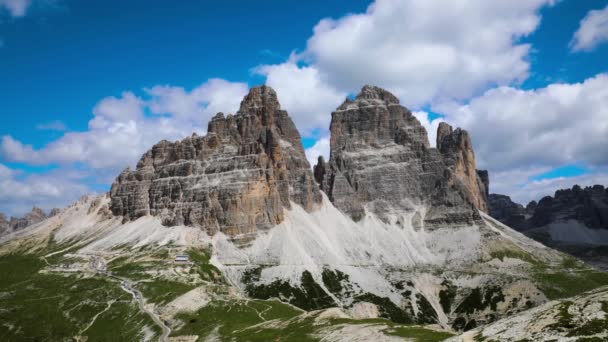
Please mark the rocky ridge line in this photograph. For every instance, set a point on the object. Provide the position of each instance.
(588, 205)
(16, 223)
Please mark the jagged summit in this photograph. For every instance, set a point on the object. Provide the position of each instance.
(236, 179)
(251, 165)
(588, 205)
(16, 223)
(370, 92)
(261, 98)
(381, 162)
(370, 95)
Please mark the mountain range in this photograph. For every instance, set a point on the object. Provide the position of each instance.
(234, 236)
(574, 221)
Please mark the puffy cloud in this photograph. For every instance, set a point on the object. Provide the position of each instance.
(320, 148)
(16, 151)
(425, 50)
(422, 50)
(303, 93)
(203, 102)
(112, 109)
(19, 194)
(519, 134)
(550, 127)
(593, 31)
(16, 8)
(120, 131)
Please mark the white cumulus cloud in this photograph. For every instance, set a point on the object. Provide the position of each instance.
(303, 93)
(422, 50)
(20, 193)
(519, 134)
(121, 130)
(549, 127)
(593, 31)
(201, 103)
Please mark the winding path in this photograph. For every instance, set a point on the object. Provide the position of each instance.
(125, 284)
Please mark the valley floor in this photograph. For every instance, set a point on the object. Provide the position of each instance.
(82, 276)
(53, 294)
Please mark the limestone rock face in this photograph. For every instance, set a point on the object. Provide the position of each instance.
(457, 149)
(236, 179)
(381, 161)
(34, 216)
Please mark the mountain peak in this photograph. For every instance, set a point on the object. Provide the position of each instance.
(370, 92)
(260, 98)
(380, 155)
(237, 179)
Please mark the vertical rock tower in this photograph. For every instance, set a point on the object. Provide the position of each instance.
(236, 179)
(457, 150)
(381, 161)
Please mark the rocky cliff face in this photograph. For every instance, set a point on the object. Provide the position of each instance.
(236, 179)
(457, 150)
(588, 206)
(381, 161)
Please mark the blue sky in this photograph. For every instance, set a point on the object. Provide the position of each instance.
(75, 72)
(70, 55)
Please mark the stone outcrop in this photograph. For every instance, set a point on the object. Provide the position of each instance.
(319, 171)
(17, 223)
(457, 149)
(588, 205)
(381, 161)
(236, 179)
(574, 212)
